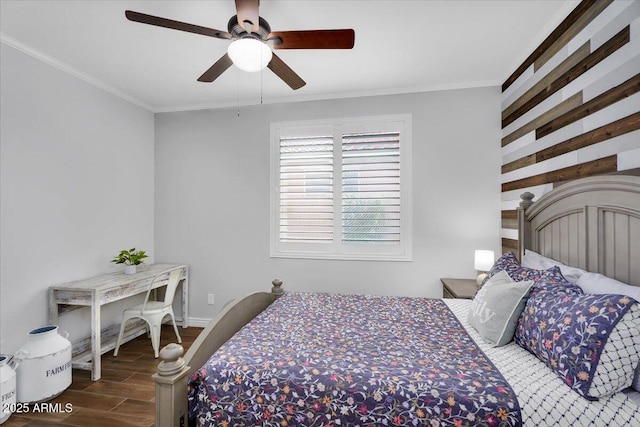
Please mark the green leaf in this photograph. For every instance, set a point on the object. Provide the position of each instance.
(130, 257)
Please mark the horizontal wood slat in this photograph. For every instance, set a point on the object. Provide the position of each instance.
(565, 66)
(510, 224)
(510, 214)
(611, 130)
(603, 100)
(634, 172)
(580, 23)
(608, 131)
(562, 108)
(510, 244)
(520, 163)
(613, 44)
(555, 35)
(596, 167)
(509, 219)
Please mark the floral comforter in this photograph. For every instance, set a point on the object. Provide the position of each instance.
(352, 360)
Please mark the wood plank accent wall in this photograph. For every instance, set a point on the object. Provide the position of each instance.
(572, 109)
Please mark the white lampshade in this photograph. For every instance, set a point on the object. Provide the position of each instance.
(249, 54)
(483, 260)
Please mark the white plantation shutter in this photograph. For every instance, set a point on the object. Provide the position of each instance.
(341, 189)
(306, 189)
(371, 188)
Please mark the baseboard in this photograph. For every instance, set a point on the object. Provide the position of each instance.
(198, 322)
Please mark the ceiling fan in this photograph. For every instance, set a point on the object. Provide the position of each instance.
(253, 41)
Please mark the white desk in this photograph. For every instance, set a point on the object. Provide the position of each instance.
(96, 292)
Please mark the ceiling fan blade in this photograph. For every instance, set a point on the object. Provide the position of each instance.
(248, 14)
(283, 71)
(313, 39)
(216, 69)
(175, 25)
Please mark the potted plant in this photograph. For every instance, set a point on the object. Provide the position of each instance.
(130, 258)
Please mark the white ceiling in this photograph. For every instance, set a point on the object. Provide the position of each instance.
(401, 46)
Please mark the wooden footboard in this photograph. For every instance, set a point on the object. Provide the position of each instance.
(174, 371)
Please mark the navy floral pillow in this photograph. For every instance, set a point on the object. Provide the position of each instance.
(552, 280)
(509, 262)
(568, 331)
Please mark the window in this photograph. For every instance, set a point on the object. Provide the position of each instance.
(341, 189)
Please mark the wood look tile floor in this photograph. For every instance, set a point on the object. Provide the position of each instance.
(124, 396)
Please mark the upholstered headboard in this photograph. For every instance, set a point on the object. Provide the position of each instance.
(591, 223)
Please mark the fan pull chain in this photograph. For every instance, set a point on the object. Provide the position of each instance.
(238, 72)
(261, 76)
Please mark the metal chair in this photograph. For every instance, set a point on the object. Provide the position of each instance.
(153, 312)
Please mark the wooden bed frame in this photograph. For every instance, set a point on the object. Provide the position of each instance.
(592, 223)
(174, 371)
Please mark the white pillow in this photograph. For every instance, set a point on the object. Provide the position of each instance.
(535, 260)
(539, 262)
(595, 283)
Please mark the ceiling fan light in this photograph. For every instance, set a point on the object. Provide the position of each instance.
(249, 54)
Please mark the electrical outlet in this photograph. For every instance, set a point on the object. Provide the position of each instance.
(211, 299)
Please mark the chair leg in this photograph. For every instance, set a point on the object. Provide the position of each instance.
(115, 351)
(155, 339)
(175, 327)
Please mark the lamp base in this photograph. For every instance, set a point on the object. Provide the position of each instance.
(480, 278)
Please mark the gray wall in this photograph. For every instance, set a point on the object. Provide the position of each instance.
(76, 187)
(78, 177)
(212, 196)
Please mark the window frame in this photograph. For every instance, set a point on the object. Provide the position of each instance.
(338, 250)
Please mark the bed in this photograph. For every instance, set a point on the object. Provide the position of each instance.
(590, 225)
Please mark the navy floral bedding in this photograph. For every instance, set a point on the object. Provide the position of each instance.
(352, 360)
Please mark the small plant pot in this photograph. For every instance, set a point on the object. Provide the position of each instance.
(129, 269)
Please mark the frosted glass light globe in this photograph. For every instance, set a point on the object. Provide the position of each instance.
(249, 54)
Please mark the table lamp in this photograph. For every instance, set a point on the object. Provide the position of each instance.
(483, 261)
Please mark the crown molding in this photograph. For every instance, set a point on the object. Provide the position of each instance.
(26, 49)
(329, 96)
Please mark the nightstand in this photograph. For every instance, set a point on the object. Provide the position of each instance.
(459, 288)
